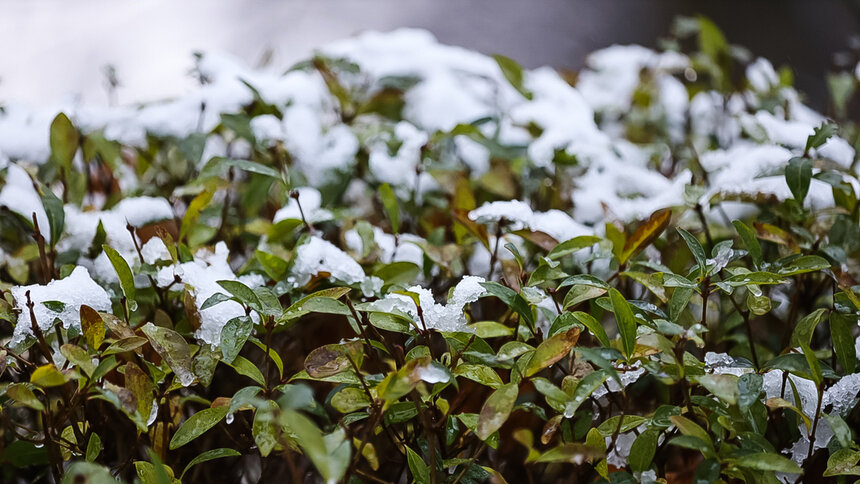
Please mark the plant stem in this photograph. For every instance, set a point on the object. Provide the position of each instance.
(495, 253)
(815, 421)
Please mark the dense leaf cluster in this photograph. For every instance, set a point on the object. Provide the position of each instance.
(680, 347)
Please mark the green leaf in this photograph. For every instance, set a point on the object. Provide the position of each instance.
(798, 174)
(579, 293)
(707, 472)
(64, 141)
(653, 282)
(93, 327)
(642, 451)
(841, 430)
(83, 472)
(192, 214)
(140, 384)
(196, 425)
(400, 272)
(94, 447)
(329, 453)
(496, 410)
(264, 428)
(753, 278)
(593, 325)
(697, 250)
(215, 165)
(510, 297)
(750, 241)
(513, 72)
(766, 461)
(491, 329)
(173, 348)
(793, 363)
(630, 422)
(479, 373)
(584, 390)
(571, 245)
(392, 209)
(126, 344)
(625, 320)
(275, 267)
(724, 387)
(300, 307)
(749, 389)
(688, 427)
(47, 376)
(843, 462)
(233, 337)
(154, 472)
(804, 264)
(104, 368)
(572, 452)
(802, 337)
(55, 306)
(843, 341)
(79, 357)
(246, 368)
(820, 136)
(551, 350)
(420, 470)
(210, 455)
(243, 293)
(21, 393)
(126, 278)
(350, 399)
(55, 212)
(276, 358)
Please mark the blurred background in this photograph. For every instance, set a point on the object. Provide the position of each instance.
(56, 51)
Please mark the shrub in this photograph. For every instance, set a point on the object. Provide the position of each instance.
(401, 260)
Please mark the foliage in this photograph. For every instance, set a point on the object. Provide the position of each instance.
(679, 346)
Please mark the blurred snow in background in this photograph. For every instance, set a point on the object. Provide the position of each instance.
(55, 51)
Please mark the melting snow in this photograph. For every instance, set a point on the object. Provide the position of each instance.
(76, 289)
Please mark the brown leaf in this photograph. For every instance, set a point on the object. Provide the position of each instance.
(646, 233)
(552, 350)
(478, 230)
(540, 239)
(332, 359)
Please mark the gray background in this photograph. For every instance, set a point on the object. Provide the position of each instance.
(54, 50)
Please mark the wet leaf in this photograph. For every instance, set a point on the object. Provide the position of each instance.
(196, 425)
(552, 350)
(233, 337)
(126, 278)
(93, 327)
(173, 348)
(332, 359)
(210, 455)
(625, 320)
(496, 410)
(768, 462)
